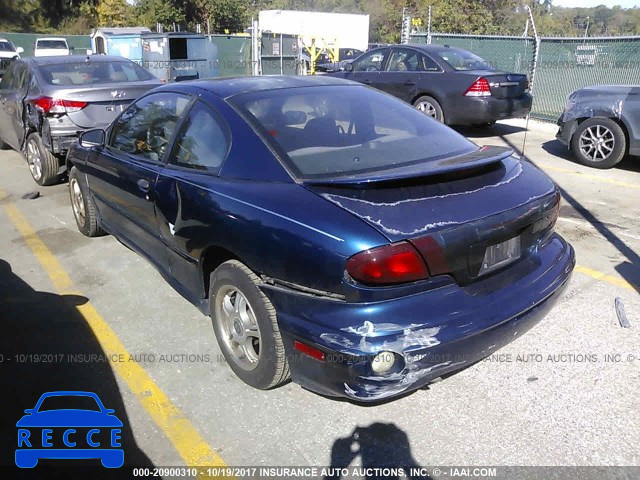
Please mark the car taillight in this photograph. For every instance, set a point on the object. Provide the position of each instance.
(57, 105)
(389, 264)
(479, 88)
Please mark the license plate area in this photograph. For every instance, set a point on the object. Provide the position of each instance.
(500, 254)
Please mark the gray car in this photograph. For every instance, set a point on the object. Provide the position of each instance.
(46, 102)
(601, 124)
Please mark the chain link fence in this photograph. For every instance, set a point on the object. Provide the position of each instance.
(567, 64)
(564, 64)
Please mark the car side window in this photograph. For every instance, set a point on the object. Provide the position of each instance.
(203, 142)
(370, 62)
(21, 77)
(429, 65)
(147, 126)
(7, 78)
(403, 60)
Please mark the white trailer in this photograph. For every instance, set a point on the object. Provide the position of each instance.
(337, 30)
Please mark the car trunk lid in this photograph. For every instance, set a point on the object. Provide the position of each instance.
(103, 104)
(453, 217)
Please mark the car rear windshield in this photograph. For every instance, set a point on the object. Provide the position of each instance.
(54, 44)
(338, 131)
(91, 73)
(6, 47)
(463, 60)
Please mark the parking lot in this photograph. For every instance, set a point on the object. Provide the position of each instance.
(88, 314)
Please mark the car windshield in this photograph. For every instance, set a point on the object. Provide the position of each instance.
(91, 73)
(463, 60)
(53, 44)
(6, 47)
(67, 402)
(331, 132)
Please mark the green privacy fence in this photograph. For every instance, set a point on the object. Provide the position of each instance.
(234, 51)
(81, 43)
(234, 55)
(564, 64)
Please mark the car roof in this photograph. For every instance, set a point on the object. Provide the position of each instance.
(228, 87)
(421, 46)
(56, 60)
(51, 38)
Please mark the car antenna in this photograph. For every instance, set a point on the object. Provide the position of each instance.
(533, 71)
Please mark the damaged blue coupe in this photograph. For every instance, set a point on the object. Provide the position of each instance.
(335, 235)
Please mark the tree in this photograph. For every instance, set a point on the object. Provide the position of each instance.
(113, 13)
(165, 12)
(225, 16)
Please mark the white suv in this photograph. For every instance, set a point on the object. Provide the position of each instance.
(8, 50)
(51, 46)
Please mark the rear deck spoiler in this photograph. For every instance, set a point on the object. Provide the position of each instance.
(484, 156)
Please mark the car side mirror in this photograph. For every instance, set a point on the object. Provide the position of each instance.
(20, 50)
(348, 67)
(109, 411)
(92, 138)
(29, 411)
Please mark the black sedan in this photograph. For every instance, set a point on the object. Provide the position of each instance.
(449, 84)
(334, 234)
(46, 101)
(601, 124)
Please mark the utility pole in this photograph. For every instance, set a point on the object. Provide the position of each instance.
(586, 29)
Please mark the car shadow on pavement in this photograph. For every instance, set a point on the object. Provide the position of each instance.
(630, 270)
(46, 345)
(380, 445)
(557, 149)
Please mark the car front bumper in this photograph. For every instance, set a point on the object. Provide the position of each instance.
(480, 110)
(566, 130)
(431, 333)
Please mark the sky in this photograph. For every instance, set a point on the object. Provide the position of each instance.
(595, 3)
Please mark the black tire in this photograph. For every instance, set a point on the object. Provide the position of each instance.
(271, 368)
(611, 136)
(4, 146)
(84, 209)
(429, 106)
(43, 165)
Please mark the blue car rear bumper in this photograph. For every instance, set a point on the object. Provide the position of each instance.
(431, 333)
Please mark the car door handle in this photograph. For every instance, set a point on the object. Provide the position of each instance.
(143, 184)
(410, 83)
(367, 81)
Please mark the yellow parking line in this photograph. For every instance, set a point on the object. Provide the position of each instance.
(193, 449)
(604, 277)
(546, 166)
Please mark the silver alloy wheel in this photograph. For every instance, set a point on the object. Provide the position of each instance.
(77, 201)
(237, 321)
(597, 142)
(427, 108)
(34, 160)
